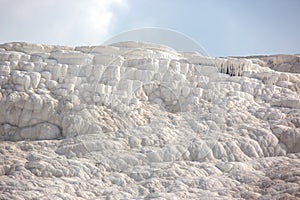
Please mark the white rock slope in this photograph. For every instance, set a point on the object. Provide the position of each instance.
(136, 120)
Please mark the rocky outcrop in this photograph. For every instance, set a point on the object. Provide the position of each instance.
(135, 120)
(231, 66)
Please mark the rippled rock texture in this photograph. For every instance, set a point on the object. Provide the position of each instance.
(135, 120)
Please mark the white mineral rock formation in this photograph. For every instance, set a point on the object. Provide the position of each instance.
(135, 120)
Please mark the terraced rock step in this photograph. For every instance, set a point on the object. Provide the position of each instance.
(137, 120)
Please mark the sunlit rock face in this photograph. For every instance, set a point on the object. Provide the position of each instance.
(136, 120)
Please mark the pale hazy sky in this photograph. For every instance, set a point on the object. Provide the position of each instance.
(222, 27)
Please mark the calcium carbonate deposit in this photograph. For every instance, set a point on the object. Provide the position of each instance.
(137, 120)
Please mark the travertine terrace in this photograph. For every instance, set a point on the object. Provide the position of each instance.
(137, 120)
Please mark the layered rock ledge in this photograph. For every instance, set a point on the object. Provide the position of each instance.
(136, 120)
